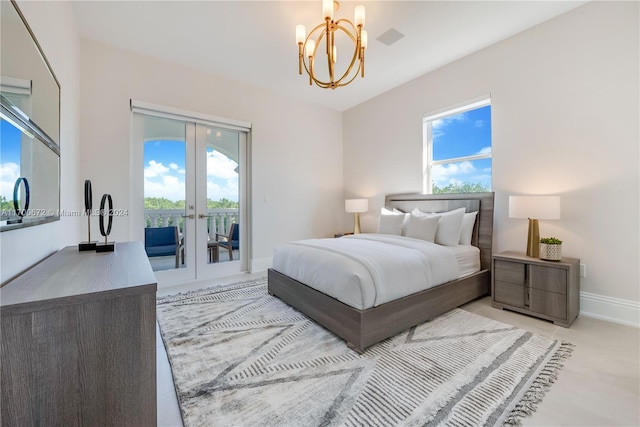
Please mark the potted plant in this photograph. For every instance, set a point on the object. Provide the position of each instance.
(550, 249)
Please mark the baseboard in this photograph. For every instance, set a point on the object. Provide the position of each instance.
(260, 264)
(615, 310)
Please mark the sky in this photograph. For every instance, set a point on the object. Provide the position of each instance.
(459, 135)
(164, 172)
(9, 158)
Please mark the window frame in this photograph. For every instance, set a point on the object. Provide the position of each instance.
(427, 139)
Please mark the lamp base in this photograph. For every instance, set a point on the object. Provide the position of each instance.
(356, 224)
(533, 239)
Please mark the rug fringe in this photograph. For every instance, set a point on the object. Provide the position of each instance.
(258, 281)
(540, 385)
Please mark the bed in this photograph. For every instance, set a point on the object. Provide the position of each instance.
(363, 327)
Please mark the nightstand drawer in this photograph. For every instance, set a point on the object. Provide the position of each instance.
(548, 279)
(507, 271)
(549, 303)
(508, 293)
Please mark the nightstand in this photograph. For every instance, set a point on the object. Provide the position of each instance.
(546, 289)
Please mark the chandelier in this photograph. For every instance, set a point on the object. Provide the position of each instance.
(308, 46)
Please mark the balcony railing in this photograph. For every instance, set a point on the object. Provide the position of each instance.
(219, 220)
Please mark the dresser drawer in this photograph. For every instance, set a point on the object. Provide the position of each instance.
(548, 303)
(548, 279)
(510, 294)
(511, 272)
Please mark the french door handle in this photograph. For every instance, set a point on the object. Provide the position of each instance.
(190, 216)
(202, 216)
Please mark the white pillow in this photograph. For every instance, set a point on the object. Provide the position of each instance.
(390, 222)
(422, 227)
(448, 231)
(405, 222)
(466, 230)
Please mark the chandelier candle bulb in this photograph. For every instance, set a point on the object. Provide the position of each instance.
(300, 34)
(359, 16)
(311, 46)
(327, 9)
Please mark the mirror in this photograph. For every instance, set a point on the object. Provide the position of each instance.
(29, 125)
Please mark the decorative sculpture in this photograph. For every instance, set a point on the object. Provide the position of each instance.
(89, 245)
(16, 202)
(106, 246)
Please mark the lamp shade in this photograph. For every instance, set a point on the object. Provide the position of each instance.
(356, 205)
(534, 207)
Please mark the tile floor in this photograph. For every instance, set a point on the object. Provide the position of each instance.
(599, 385)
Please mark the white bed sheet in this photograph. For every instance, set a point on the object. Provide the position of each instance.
(468, 258)
(367, 270)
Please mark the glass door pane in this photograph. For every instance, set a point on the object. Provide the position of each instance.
(165, 193)
(223, 193)
(218, 194)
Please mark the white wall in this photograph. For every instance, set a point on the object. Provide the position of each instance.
(565, 120)
(22, 248)
(296, 147)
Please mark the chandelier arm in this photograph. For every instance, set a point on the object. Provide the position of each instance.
(353, 58)
(330, 45)
(328, 29)
(340, 84)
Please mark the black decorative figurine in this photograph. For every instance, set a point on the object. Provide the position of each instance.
(89, 245)
(16, 203)
(106, 246)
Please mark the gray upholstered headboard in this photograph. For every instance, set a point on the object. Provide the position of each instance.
(482, 202)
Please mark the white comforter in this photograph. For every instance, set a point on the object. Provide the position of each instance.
(366, 270)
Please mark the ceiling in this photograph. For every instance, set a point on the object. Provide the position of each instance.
(254, 41)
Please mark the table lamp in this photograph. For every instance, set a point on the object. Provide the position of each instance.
(534, 208)
(356, 206)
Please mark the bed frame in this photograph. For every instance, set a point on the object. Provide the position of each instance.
(363, 328)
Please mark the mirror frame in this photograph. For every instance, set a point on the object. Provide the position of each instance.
(50, 141)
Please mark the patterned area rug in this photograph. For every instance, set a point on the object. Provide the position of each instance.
(241, 357)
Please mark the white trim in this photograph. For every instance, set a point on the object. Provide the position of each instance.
(460, 107)
(625, 312)
(260, 264)
(15, 85)
(187, 116)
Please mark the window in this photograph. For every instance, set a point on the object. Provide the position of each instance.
(457, 149)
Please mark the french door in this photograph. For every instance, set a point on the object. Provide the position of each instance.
(193, 195)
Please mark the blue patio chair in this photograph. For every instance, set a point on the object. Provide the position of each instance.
(231, 242)
(162, 241)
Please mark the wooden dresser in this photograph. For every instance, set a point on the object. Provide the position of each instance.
(78, 342)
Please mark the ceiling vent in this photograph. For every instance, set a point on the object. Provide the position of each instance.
(390, 37)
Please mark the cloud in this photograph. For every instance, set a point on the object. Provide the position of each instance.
(479, 123)
(222, 178)
(167, 186)
(169, 181)
(9, 173)
(460, 172)
(484, 150)
(439, 125)
(155, 169)
(220, 166)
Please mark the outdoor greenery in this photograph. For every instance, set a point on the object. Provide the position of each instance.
(6, 205)
(156, 203)
(461, 187)
(162, 203)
